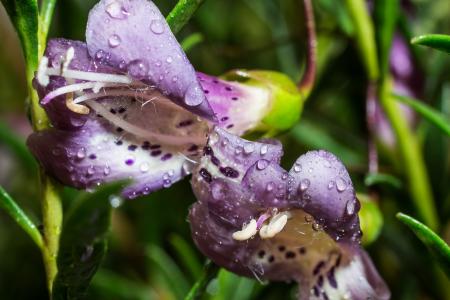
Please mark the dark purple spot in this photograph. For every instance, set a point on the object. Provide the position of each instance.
(206, 91)
(230, 126)
(153, 147)
(302, 250)
(193, 148)
(215, 81)
(290, 255)
(271, 259)
(229, 172)
(281, 248)
(166, 156)
(145, 145)
(92, 156)
(332, 278)
(113, 111)
(119, 129)
(122, 110)
(228, 88)
(215, 160)
(319, 266)
(234, 98)
(316, 291)
(99, 116)
(155, 152)
(261, 253)
(118, 143)
(205, 175)
(207, 151)
(185, 123)
(325, 296)
(224, 119)
(132, 147)
(320, 280)
(129, 162)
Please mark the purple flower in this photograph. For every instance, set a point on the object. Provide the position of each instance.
(255, 219)
(128, 103)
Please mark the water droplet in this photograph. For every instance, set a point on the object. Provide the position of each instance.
(114, 41)
(169, 59)
(157, 26)
(316, 226)
(115, 201)
(107, 170)
(144, 167)
(238, 150)
(116, 11)
(304, 184)
(81, 153)
(262, 164)
(350, 207)
(309, 218)
(270, 186)
(217, 190)
(330, 184)
(122, 65)
(264, 149)
(91, 170)
(249, 148)
(341, 184)
(138, 68)
(213, 138)
(297, 168)
(174, 79)
(193, 96)
(100, 54)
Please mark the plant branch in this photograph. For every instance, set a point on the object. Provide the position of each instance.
(307, 82)
(209, 272)
(182, 13)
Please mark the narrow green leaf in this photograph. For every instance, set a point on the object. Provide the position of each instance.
(386, 18)
(46, 15)
(173, 276)
(198, 289)
(435, 41)
(24, 16)
(186, 255)
(191, 41)
(181, 14)
(17, 147)
(11, 207)
(83, 242)
(437, 246)
(380, 178)
(433, 116)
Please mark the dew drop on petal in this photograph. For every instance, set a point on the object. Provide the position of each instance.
(213, 138)
(157, 26)
(169, 59)
(350, 207)
(270, 186)
(81, 153)
(144, 167)
(138, 68)
(116, 11)
(107, 170)
(262, 164)
(193, 96)
(330, 184)
(297, 168)
(341, 184)
(249, 148)
(264, 149)
(114, 41)
(304, 184)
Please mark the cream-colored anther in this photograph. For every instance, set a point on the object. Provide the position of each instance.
(275, 225)
(248, 230)
(77, 108)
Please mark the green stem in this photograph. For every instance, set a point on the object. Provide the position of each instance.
(411, 153)
(46, 15)
(210, 271)
(181, 14)
(365, 36)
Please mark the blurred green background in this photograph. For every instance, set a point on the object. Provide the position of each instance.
(151, 254)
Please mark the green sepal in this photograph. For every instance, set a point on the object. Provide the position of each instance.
(370, 218)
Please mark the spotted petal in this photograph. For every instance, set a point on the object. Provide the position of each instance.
(134, 37)
(299, 248)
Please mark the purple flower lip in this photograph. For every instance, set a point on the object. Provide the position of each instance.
(271, 224)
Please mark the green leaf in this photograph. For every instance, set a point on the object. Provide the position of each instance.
(186, 255)
(371, 219)
(380, 178)
(11, 207)
(433, 116)
(435, 41)
(437, 246)
(83, 242)
(17, 147)
(191, 41)
(182, 13)
(24, 16)
(198, 289)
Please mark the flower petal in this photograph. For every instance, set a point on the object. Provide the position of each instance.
(94, 155)
(324, 189)
(133, 36)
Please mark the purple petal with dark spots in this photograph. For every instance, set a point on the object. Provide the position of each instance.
(137, 39)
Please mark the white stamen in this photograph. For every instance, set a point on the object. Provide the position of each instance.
(42, 76)
(248, 230)
(275, 226)
(68, 58)
(135, 130)
(91, 76)
(115, 93)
